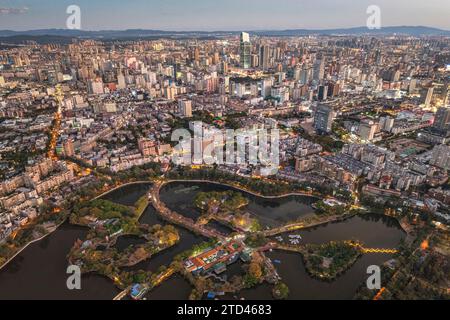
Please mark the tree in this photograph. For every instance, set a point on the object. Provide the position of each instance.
(280, 291)
(255, 270)
(249, 281)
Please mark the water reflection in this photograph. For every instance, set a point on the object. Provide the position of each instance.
(178, 196)
(129, 194)
(39, 272)
(175, 288)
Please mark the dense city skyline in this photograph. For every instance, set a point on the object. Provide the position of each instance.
(232, 15)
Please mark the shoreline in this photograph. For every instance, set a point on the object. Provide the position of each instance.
(254, 193)
(66, 219)
(121, 186)
(343, 218)
(149, 182)
(168, 182)
(32, 242)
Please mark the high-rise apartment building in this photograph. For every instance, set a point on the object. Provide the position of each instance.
(264, 57)
(95, 86)
(185, 108)
(442, 119)
(441, 157)
(319, 70)
(427, 96)
(323, 118)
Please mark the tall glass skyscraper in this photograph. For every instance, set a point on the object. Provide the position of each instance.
(246, 50)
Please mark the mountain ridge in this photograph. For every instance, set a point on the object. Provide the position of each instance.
(143, 33)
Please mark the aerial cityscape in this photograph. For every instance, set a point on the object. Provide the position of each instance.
(234, 161)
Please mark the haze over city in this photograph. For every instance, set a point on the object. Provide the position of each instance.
(207, 15)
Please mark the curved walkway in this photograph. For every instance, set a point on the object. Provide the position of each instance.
(301, 249)
(240, 188)
(177, 218)
(121, 186)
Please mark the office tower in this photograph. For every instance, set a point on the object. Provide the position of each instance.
(322, 93)
(185, 108)
(442, 119)
(323, 118)
(245, 50)
(264, 57)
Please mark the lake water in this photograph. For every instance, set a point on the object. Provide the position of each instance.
(39, 272)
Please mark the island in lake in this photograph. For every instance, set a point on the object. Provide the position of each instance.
(213, 240)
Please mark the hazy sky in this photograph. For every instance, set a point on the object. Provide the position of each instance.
(221, 15)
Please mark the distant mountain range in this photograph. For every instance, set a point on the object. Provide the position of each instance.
(63, 35)
(406, 30)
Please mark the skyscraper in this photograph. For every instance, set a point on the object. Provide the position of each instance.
(196, 54)
(319, 70)
(323, 118)
(305, 75)
(266, 87)
(427, 96)
(445, 92)
(245, 51)
(442, 119)
(322, 93)
(264, 58)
